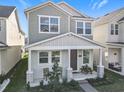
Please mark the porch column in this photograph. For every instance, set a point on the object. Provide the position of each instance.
(69, 69)
(100, 67)
(122, 61)
(29, 72)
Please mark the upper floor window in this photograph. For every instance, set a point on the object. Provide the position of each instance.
(83, 28)
(87, 28)
(0, 25)
(49, 24)
(114, 29)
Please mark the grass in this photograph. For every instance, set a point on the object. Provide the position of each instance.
(18, 81)
(113, 83)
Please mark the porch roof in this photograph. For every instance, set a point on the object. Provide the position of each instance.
(66, 41)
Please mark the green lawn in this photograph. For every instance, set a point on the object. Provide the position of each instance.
(116, 83)
(18, 77)
(18, 81)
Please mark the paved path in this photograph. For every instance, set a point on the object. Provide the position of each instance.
(86, 86)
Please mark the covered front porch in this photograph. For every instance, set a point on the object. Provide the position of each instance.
(71, 51)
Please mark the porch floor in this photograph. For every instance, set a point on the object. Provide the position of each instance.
(80, 76)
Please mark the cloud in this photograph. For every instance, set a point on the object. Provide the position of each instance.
(24, 3)
(99, 4)
(94, 6)
(102, 3)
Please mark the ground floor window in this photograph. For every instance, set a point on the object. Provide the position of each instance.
(86, 56)
(55, 56)
(43, 57)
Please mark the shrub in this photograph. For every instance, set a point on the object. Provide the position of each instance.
(86, 69)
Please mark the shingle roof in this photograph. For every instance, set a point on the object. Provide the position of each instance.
(122, 19)
(106, 18)
(5, 11)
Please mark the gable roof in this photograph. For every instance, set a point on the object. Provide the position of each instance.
(63, 35)
(5, 11)
(47, 3)
(108, 17)
(75, 12)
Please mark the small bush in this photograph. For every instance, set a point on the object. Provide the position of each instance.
(86, 69)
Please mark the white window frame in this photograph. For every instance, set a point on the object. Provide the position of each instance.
(44, 65)
(114, 33)
(84, 30)
(49, 24)
(85, 56)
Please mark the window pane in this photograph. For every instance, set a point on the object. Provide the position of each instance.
(54, 28)
(79, 24)
(43, 60)
(54, 21)
(79, 30)
(55, 53)
(86, 56)
(44, 28)
(44, 20)
(86, 60)
(55, 56)
(116, 32)
(88, 28)
(88, 31)
(43, 54)
(116, 26)
(112, 29)
(55, 59)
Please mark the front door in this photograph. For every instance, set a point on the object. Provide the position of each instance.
(74, 59)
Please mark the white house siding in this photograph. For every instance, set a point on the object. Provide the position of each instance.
(114, 58)
(121, 32)
(13, 33)
(3, 31)
(10, 57)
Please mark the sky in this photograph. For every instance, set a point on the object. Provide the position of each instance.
(93, 8)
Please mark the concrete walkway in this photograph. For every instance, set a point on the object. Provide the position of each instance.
(86, 86)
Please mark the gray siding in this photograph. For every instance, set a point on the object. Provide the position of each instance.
(34, 35)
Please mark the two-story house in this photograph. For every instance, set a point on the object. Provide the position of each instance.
(11, 38)
(109, 30)
(59, 33)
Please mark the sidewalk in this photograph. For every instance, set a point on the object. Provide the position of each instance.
(86, 86)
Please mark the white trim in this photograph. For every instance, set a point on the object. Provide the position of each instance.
(49, 17)
(43, 5)
(70, 33)
(85, 19)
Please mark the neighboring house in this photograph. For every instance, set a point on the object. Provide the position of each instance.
(109, 30)
(58, 32)
(11, 38)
